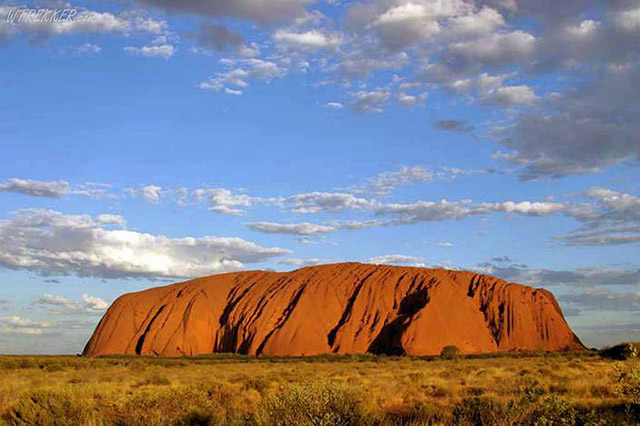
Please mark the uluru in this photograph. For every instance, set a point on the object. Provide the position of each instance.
(339, 308)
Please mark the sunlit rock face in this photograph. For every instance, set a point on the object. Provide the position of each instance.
(341, 308)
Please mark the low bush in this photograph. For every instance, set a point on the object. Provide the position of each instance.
(553, 411)
(314, 404)
(52, 407)
(478, 411)
(451, 352)
(420, 413)
(628, 383)
(622, 352)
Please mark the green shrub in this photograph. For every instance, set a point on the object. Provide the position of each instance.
(314, 404)
(259, 384)
(52, 407)
(451, 352)
(477, 411)
(417, 414)
(553, 411)
(622, 352)
(628, 383)
(208, 403)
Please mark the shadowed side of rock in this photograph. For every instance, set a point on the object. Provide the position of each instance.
(340, 308)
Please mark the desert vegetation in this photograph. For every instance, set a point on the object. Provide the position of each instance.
(581, 388)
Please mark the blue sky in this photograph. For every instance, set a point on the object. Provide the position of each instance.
(150, 141)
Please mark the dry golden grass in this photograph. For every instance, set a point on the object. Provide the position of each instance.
(542, 389)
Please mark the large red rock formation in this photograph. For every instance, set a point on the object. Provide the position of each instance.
(341, 308)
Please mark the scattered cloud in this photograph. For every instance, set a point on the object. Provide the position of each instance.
(302, 262)
(35, 188)
(240, 71)
(18, 325)
(581, 130)
(370, 101)
(578, 279)
(51, 243)
(306, 40)
(395, 259)
(150, 193)
(384, 183)
(334, 105)
(511, 95)
(52, 189)
(318, 202)
(159, 47)
(303, 229)
(614, 220)
(60, 304)
(86, 49)
(225, 201)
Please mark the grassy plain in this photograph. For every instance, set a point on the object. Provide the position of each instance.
(545, 389)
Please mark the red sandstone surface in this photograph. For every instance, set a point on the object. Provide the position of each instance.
(341, 308)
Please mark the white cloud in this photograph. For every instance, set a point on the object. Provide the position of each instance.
(384, 183)
(148, 25)
(18, 325)
(370, 101)
(494, 50)
(111, 219)
(583, 129)
(511, 95)
(157, 48)
(405, 24)
(63, 305)
(94, 304)
(225, 201)
(312, 39)
(359, 63)
(582, 279)
(483, 84)
(35, 188)
(150, 193)
(485, 21)
(249, 51)
(52, 189)
(629, 20)
(87, 49)
(407, 99)
(395, 259)
(303, 229)
(242, 70)
(58, 301)
(428, 211)
(614, 220)
(51, 243)
(526, 208)
(586, 29)
(334, 105)
(302, 262)
(317, 202)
